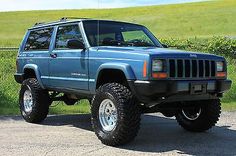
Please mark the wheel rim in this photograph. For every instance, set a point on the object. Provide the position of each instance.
(28, 101)
(108, 115)
(192, 114)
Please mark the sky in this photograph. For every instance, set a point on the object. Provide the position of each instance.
(20, 5)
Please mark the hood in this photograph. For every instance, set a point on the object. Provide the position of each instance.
(162, 52)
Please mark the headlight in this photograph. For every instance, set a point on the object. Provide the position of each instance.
(220, 66)
(157, 65)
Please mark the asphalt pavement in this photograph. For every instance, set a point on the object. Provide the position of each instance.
(73, 135)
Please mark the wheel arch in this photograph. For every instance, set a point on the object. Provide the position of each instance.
(114, 71)
(32, 70)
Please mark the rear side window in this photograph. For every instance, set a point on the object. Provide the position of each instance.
(65, 33)
(39, 39)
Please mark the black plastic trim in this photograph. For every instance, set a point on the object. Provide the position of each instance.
(151, 92)
(19, 78)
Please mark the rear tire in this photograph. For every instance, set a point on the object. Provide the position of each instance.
(127, 114)
(200, 118)
(33, 101)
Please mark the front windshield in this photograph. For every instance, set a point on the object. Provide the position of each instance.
(107, 33)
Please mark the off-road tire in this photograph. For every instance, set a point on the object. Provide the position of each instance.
(129, 116)
(41, 101)
(210, 113)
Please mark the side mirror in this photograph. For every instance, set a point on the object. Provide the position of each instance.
(164, 45)
(75, 44)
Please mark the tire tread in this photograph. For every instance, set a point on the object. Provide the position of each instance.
(41, 101)
(129, 113)
(209, 118)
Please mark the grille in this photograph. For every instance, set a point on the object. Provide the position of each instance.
(186, 68)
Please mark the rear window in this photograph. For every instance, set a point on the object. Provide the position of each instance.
(39, 39)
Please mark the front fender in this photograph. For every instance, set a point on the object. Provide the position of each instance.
(125, 68)
(36, 71)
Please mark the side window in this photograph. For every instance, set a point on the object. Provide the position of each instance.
(39, 39)
(65, 33)
(137, 35)
(105, 39)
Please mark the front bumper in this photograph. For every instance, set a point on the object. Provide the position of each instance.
(19, 78)
(152, 92)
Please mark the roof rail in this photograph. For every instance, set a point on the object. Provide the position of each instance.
(39, 23)
(67, 18)
(61, 20)
(43, 23)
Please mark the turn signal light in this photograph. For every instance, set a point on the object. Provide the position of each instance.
(159, 75)
(221, 74)
(145, 69)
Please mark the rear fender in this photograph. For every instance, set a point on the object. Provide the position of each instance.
(36, 71)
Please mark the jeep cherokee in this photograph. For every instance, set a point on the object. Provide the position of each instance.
(123, 70)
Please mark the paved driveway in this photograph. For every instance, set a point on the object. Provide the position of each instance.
(72, 135)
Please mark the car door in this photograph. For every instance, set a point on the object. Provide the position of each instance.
(68, 68)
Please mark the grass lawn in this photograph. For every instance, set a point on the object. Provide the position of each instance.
(201, 19)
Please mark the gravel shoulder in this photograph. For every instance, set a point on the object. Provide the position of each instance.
(73, 135)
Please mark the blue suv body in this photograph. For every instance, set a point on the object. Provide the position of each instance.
(117, 65)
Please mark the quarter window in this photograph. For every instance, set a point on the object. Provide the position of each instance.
(65, 33)
(39, 39)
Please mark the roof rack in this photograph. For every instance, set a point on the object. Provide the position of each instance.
(38, 23)
(63, 19)
(43, 23)
(67, 18)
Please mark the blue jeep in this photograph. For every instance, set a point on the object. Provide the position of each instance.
(123, 70)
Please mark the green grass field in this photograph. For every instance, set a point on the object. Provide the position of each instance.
(200, 21)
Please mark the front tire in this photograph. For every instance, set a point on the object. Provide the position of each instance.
(201, 117)
(33, 101)
(115, 114)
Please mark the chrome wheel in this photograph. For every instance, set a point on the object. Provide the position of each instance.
(108, 115)
(192, 114)
(28, 101)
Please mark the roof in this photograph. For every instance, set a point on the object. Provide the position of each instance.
(65, 20)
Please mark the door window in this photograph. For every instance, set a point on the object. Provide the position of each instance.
(65, 33)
